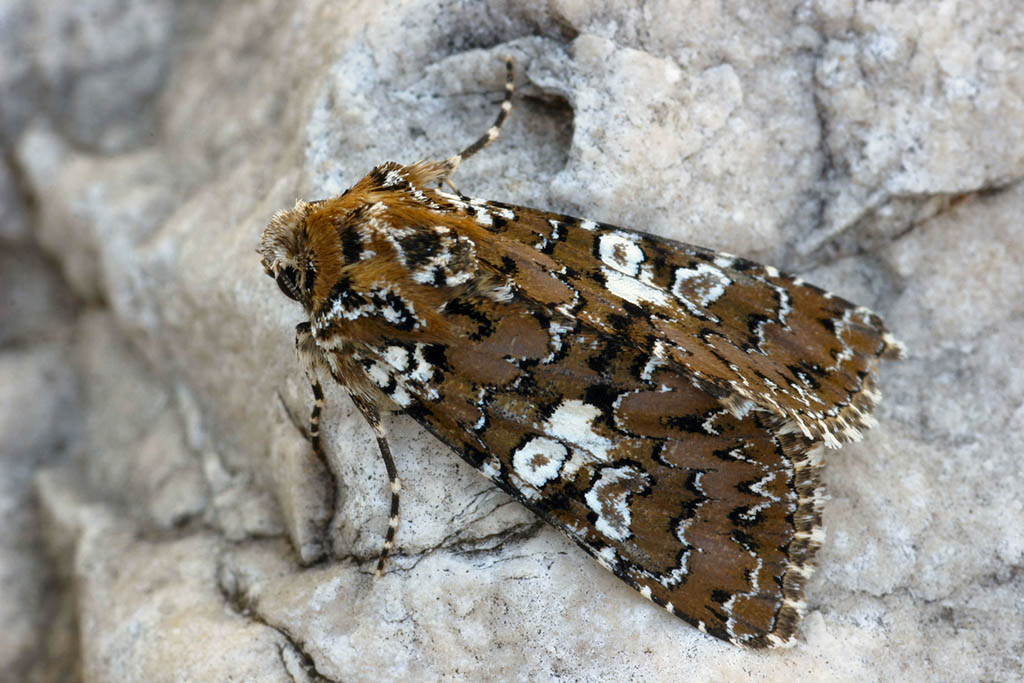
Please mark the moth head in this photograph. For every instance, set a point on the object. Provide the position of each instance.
(285, 252)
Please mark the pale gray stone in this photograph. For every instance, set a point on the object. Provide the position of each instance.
(304, 491)
(151, 608)
(34, 303)
(37, 416)
(869, 145)
(103, 63)
(14, 226)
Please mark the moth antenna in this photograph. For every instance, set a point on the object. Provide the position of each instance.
(452, 162)
(372, 416)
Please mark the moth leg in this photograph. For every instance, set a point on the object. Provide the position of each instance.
(451, 163)
(312, 361)
(372, 415)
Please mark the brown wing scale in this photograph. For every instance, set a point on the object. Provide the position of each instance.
(661, 404)
(746, 332)
(651, 476)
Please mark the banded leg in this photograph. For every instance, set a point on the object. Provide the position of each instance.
(311, 360)
(452, 162)
(372, 415)
(314, 415)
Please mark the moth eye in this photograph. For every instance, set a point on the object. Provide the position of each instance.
(287, 280)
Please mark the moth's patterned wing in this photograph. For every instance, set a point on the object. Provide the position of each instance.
(746, 332)
(646, 397)
(711, 515)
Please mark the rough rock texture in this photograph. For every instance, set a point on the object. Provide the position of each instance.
(163, 518)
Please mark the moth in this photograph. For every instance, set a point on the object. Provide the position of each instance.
(662, 404)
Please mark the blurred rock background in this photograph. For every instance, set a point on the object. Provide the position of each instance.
(162, 517)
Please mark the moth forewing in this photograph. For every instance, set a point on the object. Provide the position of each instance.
(662, 404)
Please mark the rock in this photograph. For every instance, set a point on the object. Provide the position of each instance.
(867, 146)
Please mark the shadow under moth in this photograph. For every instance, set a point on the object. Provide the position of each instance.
(662, 404)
